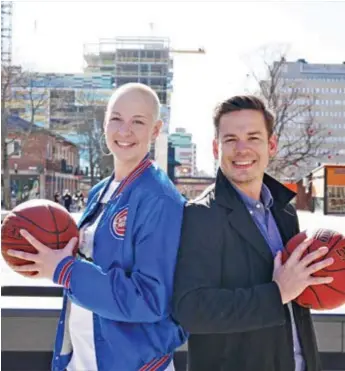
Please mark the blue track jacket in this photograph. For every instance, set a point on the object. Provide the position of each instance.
(128, 287)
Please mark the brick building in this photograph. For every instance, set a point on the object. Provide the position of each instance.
(40, 163)
(192, 187)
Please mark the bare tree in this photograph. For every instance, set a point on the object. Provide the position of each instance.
(299, 135)
(8, 75)
(16, 86)
(89, 127)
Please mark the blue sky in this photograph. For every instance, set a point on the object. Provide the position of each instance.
(49, 36)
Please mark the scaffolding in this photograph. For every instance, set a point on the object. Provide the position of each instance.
(6, 32)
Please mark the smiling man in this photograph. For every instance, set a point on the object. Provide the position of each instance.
(232, 292)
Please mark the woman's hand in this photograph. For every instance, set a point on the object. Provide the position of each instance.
(45, 261)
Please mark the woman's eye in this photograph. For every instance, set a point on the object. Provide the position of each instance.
(138, 122)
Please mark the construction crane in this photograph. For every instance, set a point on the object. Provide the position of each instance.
(188, 51)
(199, 50)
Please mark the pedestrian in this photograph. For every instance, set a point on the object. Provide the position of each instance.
(79, 200)
(232, 292)
(116, 312)
(67, 200)
(57, 197)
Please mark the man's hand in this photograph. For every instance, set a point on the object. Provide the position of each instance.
(295, 275)
(45, 261)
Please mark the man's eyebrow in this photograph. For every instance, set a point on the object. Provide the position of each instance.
(250, 133)
(255, 132)
(229, 135)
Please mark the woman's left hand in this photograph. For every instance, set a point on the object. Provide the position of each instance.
(45, 261)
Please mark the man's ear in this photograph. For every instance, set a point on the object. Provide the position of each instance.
(272, 145)
(215, 146)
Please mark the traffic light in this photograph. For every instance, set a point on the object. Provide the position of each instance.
(172, 163)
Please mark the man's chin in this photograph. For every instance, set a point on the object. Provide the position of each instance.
(244, 179)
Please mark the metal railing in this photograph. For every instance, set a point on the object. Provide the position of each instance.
(20, 352)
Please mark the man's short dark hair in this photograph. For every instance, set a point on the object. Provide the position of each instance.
(243, 102)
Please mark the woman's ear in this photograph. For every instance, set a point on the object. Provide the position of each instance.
(156, 129)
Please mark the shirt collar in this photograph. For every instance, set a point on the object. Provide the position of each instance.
(265, 197)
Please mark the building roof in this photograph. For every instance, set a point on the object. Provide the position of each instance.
(17, 124)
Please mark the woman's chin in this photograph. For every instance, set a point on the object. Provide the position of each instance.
(127, 155)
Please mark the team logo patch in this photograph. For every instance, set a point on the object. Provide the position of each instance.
(119, 223)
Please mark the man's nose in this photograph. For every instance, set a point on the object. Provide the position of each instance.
(241, 145)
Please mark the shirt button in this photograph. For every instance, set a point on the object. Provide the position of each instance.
(61, 322)
(57, 357)
(258, 206)
(251, 212)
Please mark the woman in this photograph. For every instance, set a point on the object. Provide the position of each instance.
(117, 313)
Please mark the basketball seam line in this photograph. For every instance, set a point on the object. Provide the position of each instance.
(29, 244)
(332, 246)
(37, 225)
(316, 295)
(335, 289)
(57, 233)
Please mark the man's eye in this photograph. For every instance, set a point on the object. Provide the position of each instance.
(254, 138)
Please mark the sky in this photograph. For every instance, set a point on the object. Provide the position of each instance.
(49, 36)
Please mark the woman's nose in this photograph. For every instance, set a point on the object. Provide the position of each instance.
(124, 127)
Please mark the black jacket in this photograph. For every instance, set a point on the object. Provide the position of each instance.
(224, 294)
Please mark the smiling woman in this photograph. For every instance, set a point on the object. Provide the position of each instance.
(118, 289)
(131, 124)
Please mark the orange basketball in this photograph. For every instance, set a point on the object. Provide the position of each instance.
(326, 296)
(47, 221)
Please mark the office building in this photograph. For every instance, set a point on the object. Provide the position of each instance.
(185, 152)
(324, 86)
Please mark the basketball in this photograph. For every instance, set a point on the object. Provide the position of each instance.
(49, 222)
(326, 296)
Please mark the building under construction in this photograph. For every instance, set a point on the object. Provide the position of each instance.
(134, 59)
(147, 60)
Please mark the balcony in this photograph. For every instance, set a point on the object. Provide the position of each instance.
(60, 166)
(53, 165)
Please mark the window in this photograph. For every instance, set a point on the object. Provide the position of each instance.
(14, 148)
(49, 153)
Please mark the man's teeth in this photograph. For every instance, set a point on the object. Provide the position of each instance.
(244, 163)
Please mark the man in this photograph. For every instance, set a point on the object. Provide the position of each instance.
(232, 292)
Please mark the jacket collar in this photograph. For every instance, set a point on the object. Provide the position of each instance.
(142, 166)
(226, 195)
(240, 219)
